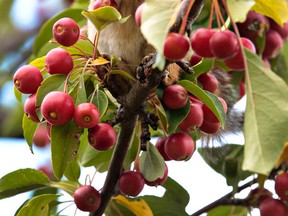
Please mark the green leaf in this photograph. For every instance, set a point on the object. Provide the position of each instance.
(79, 92)
(64, 146)
(72, 173)
(207, 98)
(38, 62)
(278, 10)
(21, 181)
(151, 163)
(266, 116)
(38, 205)
(103, 16)
(239, 9)
(29, 128)
(45, 33)
(68, 186)
(226, 160)
(88, 156)
(279, 64)
(173, 202)
(156, 21)
(101, 102)
(230, 210)
(203, 67)
(51, 83)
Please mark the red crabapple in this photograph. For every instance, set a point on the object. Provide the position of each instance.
(87, 198)
(175, 96)
(159, 181)
(102, 137)
(237, 61)
(210, 127)
(272, 206)
(273, 44)
(138, 14)
(179, 146)
(200, 42)
(193, 119)
(66, 31)
(224, 44)
(57, 108)
(160, 143)
(131, 183)
(195, 59)
(40, 138)
(58, 61)
(281, 186)
(102, 3)
(209, 82)
(30, 108)
(209, 116)
(86, 115)
(282, 30)
(27, 79)
(176, 46)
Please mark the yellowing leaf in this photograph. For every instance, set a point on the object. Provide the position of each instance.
(266, 116)
(276, 9)
(139, 207)
(284, 155)
(239, 9)
(100, 61)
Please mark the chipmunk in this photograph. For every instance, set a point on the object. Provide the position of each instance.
(126, 41)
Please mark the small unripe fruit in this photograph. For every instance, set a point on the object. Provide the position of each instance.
(102, 137)
(66, 31)
(30, 108)
(176, 46)
(87, 198)
(159, 181)
(179, 146)
(131, 183)
(160, 143)
(273, 207)
(175, 96)
(200, 42)
(58, 61)
(281, 186)
(27, 79)
(57, 108)
(86, 115)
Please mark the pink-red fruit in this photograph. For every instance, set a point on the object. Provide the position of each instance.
(281, 186)
(138, 14)
(160, 143)
(175, 96)
(57, 108)
(176, 46)
(30, 108)
(224, 44)
(102, 137)
(273, 44)
(86, 115)
(209, 82)
(131, 183)
(159, 181)
(58, 61)
(40, 138)
(193, 119)
(179, 146)
(209, 127)
(200, 42)
(209, 116)
(66, 31)
(101, 3)
(87, 198)
(273, 207)
(27, 79)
